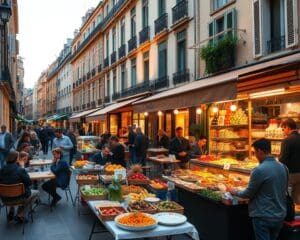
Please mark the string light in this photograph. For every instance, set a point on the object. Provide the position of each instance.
(198, 111)
(159, 113)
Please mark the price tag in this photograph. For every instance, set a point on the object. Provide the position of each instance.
(87, 187)
(171, 186)
(120, 174)
(226, 166)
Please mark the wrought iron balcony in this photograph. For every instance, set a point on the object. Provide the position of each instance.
(276, 44)
(93, 72)
(145, 34)
(107, 99)
(88, 105)
(93, 104)
(106, 62)
(132, 44)
(83, 78)
(122, 51)
(181, 77)
(99, 101)
(180, 11)
(77, 108)
(99, 68)
(113, 57)
(83, 106)
(116, 96)
(159, 83)
(161, 23)
(88, 76)
(138, 88)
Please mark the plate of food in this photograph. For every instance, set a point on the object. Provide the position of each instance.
(136, 221)
(170, 218)
(152, 199)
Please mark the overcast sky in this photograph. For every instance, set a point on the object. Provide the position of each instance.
(44, 26)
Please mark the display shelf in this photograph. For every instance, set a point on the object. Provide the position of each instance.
(271, 139)
(227, 126)
(228, 139)
(235, 150)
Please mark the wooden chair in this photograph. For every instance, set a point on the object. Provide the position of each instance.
(12, 196)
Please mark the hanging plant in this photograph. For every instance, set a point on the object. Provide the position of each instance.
(219, 55)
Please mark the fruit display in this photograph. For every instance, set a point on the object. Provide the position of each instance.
(87, 144)
(138, 176)
(208, 158)
(141, 206)
(158, 184)
(133, 197)
(109, 213)
(80, 163)
(239, 117)
(112, 167)
(87, 179)
(132, 189)
(228, 133)
(169, 206)
(93, 192)
(214, 195)
(136, 219)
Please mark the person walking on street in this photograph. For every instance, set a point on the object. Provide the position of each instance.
(51, 136)
(64, 143)
(290, 156)
(140, 146)
(43, 136)
(73, 151)
(6, 143)
(266, 192)
(130, 144)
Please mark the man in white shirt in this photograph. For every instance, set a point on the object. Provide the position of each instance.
(64, 143)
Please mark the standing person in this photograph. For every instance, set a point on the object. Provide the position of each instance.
(11, 173)
(162, 139)
(105, 137)
(118, 151)
(73, 139)
(63, 142)
(51, 136)
(200, 147)
(266, 192)
(60, 169)
(43, 136)
(130, 144)
(290, 156)
(140, 146)
(6, 143)
(180, 147)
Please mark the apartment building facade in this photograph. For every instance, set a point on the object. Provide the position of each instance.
(28, 103)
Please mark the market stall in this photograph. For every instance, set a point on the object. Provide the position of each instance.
(87, 145)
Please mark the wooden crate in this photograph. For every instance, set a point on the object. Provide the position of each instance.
(179, 208)
(93, 197)
(138, 182)
(153, 211)
(87, 181)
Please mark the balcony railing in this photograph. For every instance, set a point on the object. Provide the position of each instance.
(138, 88)
(113, 57)
(99, 68)
(161, 23)
(88, 105)
(83, 106)
(159, 83)
(106, 99)
(132, 44)
(83, 78)
(93, 72)
(93, 104)
(122, 51)
(116, 96)
(106, 62)
(180, 11)
(181, 77)
(88, 76)
(99, 101)
(145, 34)
(276, 44)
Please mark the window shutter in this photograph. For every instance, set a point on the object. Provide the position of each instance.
(290, 23)
(231, 21)
(257, 40)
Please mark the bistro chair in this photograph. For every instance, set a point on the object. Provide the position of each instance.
(12, 196)
(67, 189)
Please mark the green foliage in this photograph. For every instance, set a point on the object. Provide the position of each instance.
(219, 55)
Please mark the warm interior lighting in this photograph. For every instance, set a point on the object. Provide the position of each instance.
(215, 109)
(233, 108)
(289, 105)
(198, 111)
(267, 93)
(146, 114)
(159, 113)
(175, 111)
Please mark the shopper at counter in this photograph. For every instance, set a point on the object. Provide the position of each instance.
(180, 147)
(199, 148)
(118, 151)
(290, 156)
(103, 157)
(162, 139)
(130, 144)
(266, 192)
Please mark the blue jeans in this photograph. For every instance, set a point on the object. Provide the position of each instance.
(265, 229)
(2, 159)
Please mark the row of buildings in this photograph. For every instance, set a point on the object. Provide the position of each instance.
(154, 63)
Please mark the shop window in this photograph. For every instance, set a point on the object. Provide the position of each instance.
(181, 51)
(139, 120)
(125, 122)
(113, 124)
(168, 128)
(182, 120)
(133, 22)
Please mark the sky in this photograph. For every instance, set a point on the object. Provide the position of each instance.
(44, 26)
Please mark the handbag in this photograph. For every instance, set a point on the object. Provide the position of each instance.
(290, 205)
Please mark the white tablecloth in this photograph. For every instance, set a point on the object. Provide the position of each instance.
(159, 231)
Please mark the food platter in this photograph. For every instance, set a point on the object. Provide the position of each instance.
(137, 227)
(170, 219)
(152, 199)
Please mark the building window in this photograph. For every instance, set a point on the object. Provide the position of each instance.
(123, 77)
(145, 14)
(161, 7)
(216, 4)
(181, 51)
(107, 85)
(93, 58)
(133, 22)
(107, 45)
(114, 81)
(122, 31)
(133, 72)
(146, 66)
(99, 53)
(162, 59)
(114, 39)
(93, 91)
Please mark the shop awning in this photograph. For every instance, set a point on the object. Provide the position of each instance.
(50, 118)
(61, 117)
(21, 119)
(101, 114)
(76, 117)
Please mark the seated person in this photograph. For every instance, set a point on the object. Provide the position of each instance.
(11, 173)
(35, 143)
(26, 147)
(200, 148)
(61, 170)
(103, 157)
(118, 151)
(162, 139)
(23, 161)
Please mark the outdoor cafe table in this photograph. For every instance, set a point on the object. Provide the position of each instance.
(41, 175)
(159, 231)
(40, 162)
(156, 151)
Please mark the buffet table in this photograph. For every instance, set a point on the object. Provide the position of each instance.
(41, 175)
(159, 231)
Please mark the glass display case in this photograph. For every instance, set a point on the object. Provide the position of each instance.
(87, 144)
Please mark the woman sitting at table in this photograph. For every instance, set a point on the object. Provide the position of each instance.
(23, 161)
(60, 169)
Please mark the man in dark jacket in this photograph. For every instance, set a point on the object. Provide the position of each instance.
(290, 156)
(44, 138)
(118, 151)
(130, 144)
(11, 173)
(6, 143)
(140, 146)
(103, 157)
(180, 147)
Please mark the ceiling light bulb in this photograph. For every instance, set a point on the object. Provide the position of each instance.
(198, 111)
(145, 114)
(215, 109)
(159, 113)
(176, 111)
(233, 107)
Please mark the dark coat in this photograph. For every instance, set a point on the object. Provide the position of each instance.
(43, 135)
(290, 152)
(118, 156)
(140, 146)
(163, 142)
(177, 146)
(131, 138)
(74, 142)
(99, 159)
(61, 172)
(12, 174)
